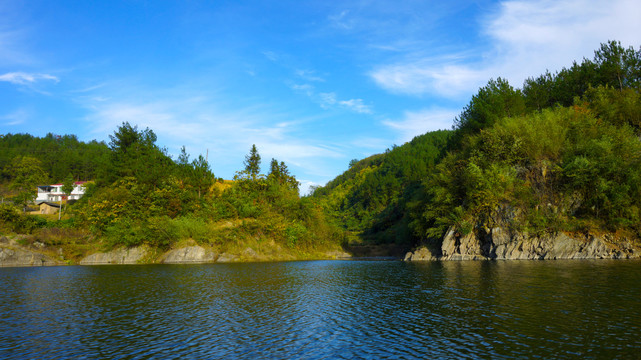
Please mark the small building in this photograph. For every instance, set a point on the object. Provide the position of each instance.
(48, 208)
(53, 193)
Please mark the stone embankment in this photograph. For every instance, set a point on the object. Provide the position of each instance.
(501, 244)
(143, 254)
(12, 254)
(117, 257)
(188, 255)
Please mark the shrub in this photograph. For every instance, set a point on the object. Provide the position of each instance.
(186, 227)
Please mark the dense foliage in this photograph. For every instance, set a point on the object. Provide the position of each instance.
(562, 153)
(373, 196)
(59, 156)
(140, 195)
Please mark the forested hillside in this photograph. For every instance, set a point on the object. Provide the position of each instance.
(139, 195)
(561, 154)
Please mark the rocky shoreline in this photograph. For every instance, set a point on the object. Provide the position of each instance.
(14, 254)
(502, 244)
(494, 244)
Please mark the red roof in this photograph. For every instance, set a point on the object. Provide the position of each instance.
(76, 183)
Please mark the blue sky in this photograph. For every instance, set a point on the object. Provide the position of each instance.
(311, 83)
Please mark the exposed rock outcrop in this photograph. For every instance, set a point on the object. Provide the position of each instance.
(22, 257)
(501, 244)
(421, 254)
(337, 255)
(225, 257)
(189, 255)
(119, 256)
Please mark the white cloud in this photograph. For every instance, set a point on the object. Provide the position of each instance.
(342, 20)
(16, 117)
(21, 78)
(526, 37)
(306, 186)
(304, 88)
(416, 123)
(203, 125)
(272, 56)
(369, 145)
(421, 77)
(309, 75)
(328, 100)
(13, 39)
(356, 105)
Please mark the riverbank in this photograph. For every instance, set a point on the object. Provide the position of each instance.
(502, 244)
(496, 244)
(19, 250)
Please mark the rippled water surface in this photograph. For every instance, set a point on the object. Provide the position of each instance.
(324, 310)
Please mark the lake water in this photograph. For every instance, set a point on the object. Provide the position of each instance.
(324, 310)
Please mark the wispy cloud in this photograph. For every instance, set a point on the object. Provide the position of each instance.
(369, 145)
(415, 123)
(272, 56)
(422, 77)
(308, 75)
(203, 124)
(14, 36)
(306, 89)
(342, 20)
(21, 78)
(356, 105)
(526, 38)
(17, 117)
(329, 100)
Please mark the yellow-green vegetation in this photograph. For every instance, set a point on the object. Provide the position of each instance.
(141, 196)
(561, 154)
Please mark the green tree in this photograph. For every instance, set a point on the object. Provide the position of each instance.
(495, 100)
(537, 91)
(183, 158)
(68, 185)
(201, 176)
(618, 67)
(67, 188)
(27, 174)
(135, 154)
(252, 163)
(280, 174)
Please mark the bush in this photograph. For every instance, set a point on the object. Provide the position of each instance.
(159, 231)
(191, 227)
(124, 232)
(13, 220)
(296, 234)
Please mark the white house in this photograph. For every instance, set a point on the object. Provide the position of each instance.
(53, 193)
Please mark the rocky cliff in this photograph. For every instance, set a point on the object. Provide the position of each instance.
(12, 254)
(502, 244)
(189, 254)
(193, 254)
(119, 256)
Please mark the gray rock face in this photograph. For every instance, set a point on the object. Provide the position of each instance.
(500, 244)
(338, 255)
(421, 254)
(225, 257)
(118, 256)
(190, 254)
(21, 257)
(250, 253)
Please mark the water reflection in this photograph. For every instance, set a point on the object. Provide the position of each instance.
(324, 309)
